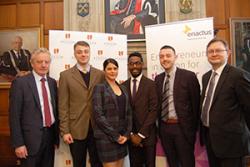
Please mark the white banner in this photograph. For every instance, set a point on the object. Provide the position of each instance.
(102, 46)
(189, 38)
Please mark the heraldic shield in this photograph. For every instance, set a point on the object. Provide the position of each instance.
(83, 8)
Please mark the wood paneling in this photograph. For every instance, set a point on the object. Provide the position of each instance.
(46, 41)
(53, 16)
(28, 15)
(216, 9)
(8, 16)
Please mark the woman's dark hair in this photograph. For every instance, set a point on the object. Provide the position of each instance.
(109, 60)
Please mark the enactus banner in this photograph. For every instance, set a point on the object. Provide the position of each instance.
(189, 38)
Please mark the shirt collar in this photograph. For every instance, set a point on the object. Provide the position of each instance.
(220, 69)
(137, 78)
(79, 67)
(172, 72)
(38, 77)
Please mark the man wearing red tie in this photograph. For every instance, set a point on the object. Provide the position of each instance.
(33, 114)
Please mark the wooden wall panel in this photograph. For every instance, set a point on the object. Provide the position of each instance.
(53, 16)
(46, 41)
(4, 113)
(239, 8)
(216, 9)
(8, 15)
(28, 15)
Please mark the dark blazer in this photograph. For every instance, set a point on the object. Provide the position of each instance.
(26, 124)
(229, 116)
(6, 66)
(144, 109)
(186, 100)
(105, 113)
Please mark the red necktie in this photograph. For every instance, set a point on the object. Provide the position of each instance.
(47, 115)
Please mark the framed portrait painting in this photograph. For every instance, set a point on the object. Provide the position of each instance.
(131, 16)
(32, 39)
(240, 42)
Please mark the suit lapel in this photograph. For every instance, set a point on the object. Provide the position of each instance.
(93, 77)
(161, 80)
(32, 84)
(220, 82)
(77, 76)
(205, 83)
(177, 80)
(111, 92)
(129, 90)
(52, 93)
(140, 87)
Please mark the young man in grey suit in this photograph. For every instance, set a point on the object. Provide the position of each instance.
(143, 99)
(33, 114)
(225, 108)
(179, 97)
(75, 106)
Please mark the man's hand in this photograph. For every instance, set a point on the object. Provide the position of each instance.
(136, 140)
(122, 139)
(21, 152)
(67, 138)
(127, 20)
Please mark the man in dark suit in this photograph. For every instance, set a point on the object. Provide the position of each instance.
(75, 106)
(143, 98)
(15, 62)
(179, 95)
(225, 112)
(33, 114)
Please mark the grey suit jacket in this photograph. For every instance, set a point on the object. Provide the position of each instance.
(75, 101)
(26, 124)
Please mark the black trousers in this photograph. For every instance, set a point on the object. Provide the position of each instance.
(45, 155)
(216, 161)
(178, 150)
(79, 150)
(142, 156)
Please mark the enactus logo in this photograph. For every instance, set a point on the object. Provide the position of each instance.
(188, 31)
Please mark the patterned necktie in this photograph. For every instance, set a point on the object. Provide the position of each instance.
(46, 108)
(206, 106)
(134, 89)
(165, 97)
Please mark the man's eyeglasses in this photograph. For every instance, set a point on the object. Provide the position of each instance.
(216, 51)
(135, 63)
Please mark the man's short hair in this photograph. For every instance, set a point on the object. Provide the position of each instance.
(168, 47)
(81, 43)
(38, 51)
(218, 40)
(135, 54)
